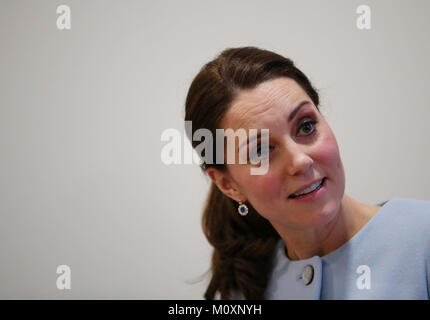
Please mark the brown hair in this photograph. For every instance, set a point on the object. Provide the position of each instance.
(243, 246)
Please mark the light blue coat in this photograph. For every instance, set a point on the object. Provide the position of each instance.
(389, 258)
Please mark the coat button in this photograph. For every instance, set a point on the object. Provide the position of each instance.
(307, 274)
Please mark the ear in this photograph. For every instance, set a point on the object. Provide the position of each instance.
(226, 184)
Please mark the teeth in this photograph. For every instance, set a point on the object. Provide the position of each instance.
(310, 189)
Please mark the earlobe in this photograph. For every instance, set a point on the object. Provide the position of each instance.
(224, 183)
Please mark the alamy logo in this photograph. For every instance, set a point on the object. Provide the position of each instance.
(363, 21)
(64, 21)
(364, 280)
(249, 150)
(64, 281)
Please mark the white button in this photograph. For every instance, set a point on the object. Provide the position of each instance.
(308, 274)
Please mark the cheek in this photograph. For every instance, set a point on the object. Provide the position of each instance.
(263, 191)
(266, 187)
(327, 156)
(326, 153)
(260, 187)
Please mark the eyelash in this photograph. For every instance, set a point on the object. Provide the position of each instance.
(304, 123)
(313, 122)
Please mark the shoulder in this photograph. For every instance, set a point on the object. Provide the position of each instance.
(413, 221)
(409, 208)
(408, 217)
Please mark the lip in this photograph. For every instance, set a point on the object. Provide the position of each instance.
(306, 186)
(313, 195)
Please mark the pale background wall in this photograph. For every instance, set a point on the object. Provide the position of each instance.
(82, 111)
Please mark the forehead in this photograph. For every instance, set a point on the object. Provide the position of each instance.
(266, 103)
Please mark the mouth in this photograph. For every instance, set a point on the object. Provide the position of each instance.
(308, 192)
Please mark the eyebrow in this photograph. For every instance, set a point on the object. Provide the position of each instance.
(290, 118)
(297, 109)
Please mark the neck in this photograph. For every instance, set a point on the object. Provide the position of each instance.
(321, 240)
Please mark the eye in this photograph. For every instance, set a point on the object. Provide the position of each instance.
(308, 127)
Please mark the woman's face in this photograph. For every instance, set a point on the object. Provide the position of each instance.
(302, 150)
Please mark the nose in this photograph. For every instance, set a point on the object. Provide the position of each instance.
(297, 160)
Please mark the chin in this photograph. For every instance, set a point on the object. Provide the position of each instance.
(319, 218)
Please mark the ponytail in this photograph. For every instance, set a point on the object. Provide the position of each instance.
(243, 247)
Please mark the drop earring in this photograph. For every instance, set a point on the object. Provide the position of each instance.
(243, 209)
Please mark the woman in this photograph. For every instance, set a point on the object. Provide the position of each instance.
(293, 233)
